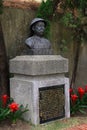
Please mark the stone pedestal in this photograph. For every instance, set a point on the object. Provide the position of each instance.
(34, 72)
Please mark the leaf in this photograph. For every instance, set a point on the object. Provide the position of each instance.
(83, 106)
(4, 113)
(83, 112)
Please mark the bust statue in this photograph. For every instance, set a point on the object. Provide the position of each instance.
(37, 44)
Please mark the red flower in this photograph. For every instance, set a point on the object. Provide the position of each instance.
(86, 88)
(74, 97)
(4, 99)
(70, 91)
(13, 107)
(81, 92)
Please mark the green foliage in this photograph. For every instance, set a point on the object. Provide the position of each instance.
(73, 14)
(11, 110)
(4, 111)
(63, 45)
(1, 6)
(80, 4)
(67, 20)
(45, 11)
(79, 107)
(18, 114)
(78, 101)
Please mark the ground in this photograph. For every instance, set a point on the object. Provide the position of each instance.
(73, 123)
(20, 125)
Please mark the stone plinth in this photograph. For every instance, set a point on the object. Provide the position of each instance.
(34, 72)
(39, 65)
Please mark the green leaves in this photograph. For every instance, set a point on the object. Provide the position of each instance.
(8, 110)
(45, 11)
(72, 17)
(18, 114)
(80, 105)
(4, 113)
(67, 19)
(80, 4)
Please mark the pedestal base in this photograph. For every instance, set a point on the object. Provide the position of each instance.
(31, 75)
(25, 90)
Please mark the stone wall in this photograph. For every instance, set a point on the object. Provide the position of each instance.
(15, 23)
(81, 78)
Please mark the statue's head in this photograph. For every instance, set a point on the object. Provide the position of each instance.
(37, 26)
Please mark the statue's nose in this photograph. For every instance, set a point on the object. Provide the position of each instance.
(42, 28)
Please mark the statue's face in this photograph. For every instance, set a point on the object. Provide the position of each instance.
(39, 28)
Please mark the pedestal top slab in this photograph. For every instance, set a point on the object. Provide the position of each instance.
(39, 65)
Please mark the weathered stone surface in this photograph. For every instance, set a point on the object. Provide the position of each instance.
(25, 90)
(81, 79)
(34, 72)
(39, 65)
(20, 90)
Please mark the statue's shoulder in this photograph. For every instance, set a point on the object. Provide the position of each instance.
(29, 41)
(47, 41)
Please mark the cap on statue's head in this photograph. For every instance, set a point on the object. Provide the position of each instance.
(35, 20)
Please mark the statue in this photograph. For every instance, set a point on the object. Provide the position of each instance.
(37, 44)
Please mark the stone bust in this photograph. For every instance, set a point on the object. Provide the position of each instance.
(37, 44)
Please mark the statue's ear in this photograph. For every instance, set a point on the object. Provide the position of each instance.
(33, 28)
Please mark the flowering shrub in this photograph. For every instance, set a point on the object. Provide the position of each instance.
(10, 109)
(13, 107)
(78, 100)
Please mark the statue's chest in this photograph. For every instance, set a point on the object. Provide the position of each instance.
(41, 43)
